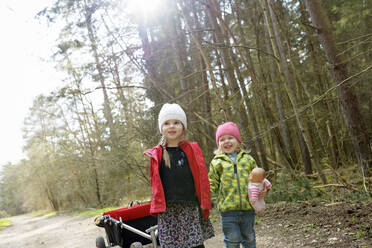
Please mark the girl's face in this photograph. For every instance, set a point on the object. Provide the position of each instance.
(172, 131)
(228, 143)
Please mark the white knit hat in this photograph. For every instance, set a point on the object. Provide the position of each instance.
(171, 111)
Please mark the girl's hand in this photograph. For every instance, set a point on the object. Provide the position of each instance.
(262, 194)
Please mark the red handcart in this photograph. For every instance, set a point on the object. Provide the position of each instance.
(130, 227)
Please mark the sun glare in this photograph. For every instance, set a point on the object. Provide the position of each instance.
(146, 8)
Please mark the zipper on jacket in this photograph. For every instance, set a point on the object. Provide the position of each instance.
(237, 178)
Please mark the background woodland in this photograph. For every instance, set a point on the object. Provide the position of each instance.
(294, 75)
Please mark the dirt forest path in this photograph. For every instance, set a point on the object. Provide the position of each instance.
(66, 232)
(51, 232)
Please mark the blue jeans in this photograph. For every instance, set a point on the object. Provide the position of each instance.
(237, 227)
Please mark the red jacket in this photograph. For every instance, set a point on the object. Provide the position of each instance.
(198, 170)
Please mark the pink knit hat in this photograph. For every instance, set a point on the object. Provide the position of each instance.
(229, 128)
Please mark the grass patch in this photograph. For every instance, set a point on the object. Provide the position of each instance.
(50, 214)
(4, 223)
(79, 212)
(94, 212)
(42, 213)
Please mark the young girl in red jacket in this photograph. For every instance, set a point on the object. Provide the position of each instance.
(180, 185)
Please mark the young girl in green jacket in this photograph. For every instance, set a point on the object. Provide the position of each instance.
(228, 175)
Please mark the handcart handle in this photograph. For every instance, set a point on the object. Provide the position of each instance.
(132, 229)
(151, 230)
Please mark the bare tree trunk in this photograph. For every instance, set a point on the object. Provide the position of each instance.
(206, 97)
(96, 181)
(348, 99)
(207, 63)
(117, 81)
(333, 145)
(242, 35)
(314, 48)
(278, 100)
(221, 71)
(161, 95)
(305, 145)
(304, 137)
(259, 92)
(175, 41)
(253, 121)
(107, 108)
(92, 147)
(224, 48)
(251, 116)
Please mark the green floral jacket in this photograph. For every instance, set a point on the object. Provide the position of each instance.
(229, 181)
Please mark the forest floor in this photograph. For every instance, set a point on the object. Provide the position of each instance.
(307, 224)
(316, 224)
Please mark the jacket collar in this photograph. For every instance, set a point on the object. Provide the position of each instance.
(153, 152)
(224, 156)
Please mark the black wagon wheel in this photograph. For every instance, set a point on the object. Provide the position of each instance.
(100, 242)
(136, 245)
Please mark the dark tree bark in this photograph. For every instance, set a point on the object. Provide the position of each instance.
(226, 57)
(206, 61)
(288, 142)
(322, 86)
(206, 101)
(349, 102)
(258, 88)
(306, 151)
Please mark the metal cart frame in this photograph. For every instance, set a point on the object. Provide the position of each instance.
(117, 227)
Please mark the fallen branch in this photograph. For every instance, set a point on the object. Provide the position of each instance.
(275, 163)
(330, 185)
(343, 180)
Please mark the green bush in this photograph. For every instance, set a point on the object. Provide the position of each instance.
(287, 188)
(292, 189)
(3, 214)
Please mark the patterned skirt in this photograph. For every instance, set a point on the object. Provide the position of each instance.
(183, 226)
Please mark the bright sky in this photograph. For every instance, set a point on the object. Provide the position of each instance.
(24, 44)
